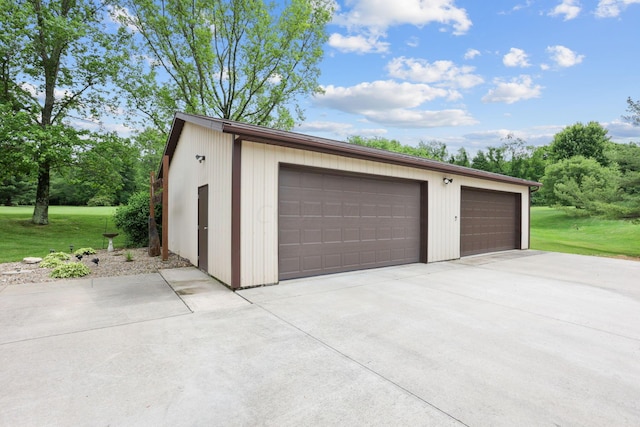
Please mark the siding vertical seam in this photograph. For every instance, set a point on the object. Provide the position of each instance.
(236, 169)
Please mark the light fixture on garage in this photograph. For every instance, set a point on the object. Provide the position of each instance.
(447, 180)
(200, 158)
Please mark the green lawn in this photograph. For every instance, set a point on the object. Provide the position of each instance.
(554, 230)
(551, 230)
(68, 225)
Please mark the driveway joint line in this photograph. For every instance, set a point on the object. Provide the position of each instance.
(379, 375)
(175, 292)
(92, 329)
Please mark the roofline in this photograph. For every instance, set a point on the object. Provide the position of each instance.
(311, 143)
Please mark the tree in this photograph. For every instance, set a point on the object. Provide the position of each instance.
(17, 190)
(627, 157)
(634, 109)
(492, 161)
(435, 150)
(461, 158)
(480, 162)
(65, 57)
(107, 166)
(244, 60)
(585, 184)
(150, 144)
(588, 140)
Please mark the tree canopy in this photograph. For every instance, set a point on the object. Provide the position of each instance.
(244, 60)
(588, 140)
(55, 57)
(633, 107)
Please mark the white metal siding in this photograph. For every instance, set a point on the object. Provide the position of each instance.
(259, 201)
(186, 174)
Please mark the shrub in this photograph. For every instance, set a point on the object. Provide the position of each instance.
(101, 200)
(133, 219)
(70, 269)
(62, 256)
(85, 251)
(50, 262)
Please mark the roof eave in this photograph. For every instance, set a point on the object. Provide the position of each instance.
(305, 142)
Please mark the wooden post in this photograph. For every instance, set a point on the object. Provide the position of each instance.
(165, 208)
(152, 206)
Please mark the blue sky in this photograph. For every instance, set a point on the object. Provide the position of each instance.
(469, 72)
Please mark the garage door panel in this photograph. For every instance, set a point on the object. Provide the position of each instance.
(363, 222)
(490, 221)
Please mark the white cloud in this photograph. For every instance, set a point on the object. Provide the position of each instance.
(569, 8)
(442, 73)
(516, 58)
(421, 118)
(121, 15)
(357, 44)
(413, 42)
(471, 53)
(612, 8)
(37, 93)
(275, 79)
(378, 95)
(382, 14)
(518, 89)
(622, 131)
(393, 104)
(517, 7)
(563, 56)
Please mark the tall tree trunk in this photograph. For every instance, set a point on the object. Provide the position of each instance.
(41, 210)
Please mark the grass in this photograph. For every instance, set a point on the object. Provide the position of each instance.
(551, 230)
(554, 230)
(79, 226)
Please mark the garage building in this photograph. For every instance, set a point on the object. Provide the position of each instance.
(252, 206)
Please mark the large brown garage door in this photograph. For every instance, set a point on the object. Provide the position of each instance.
(332, 222)
(490, 221)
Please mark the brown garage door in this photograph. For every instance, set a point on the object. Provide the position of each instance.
(490, 221)
(331, 222)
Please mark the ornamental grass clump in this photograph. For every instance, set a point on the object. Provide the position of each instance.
(69, 270)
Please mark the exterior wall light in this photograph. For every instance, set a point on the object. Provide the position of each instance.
(200, 158)
(447, 180)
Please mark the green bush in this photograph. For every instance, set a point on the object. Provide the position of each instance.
(62, 256)
(50, 262)
(85, 251)
(101, 200)
(133, 218)
(70, 269)
(54, 259)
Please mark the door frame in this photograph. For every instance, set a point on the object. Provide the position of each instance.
(203, 227)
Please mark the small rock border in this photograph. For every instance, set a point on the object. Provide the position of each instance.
(110, 264)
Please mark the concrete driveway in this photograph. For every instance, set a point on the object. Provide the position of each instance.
(516, 338)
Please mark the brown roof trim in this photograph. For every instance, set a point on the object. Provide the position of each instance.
(323, 145)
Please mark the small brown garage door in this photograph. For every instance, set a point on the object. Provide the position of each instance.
(490, 221)
(331, 222)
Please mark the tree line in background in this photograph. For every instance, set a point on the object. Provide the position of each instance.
(66, 64)
(581, 169)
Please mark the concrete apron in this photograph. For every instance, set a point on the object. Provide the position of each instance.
(486, 340)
